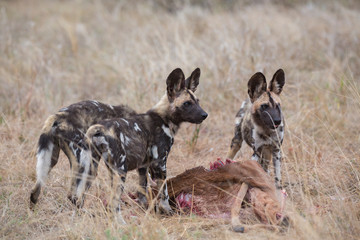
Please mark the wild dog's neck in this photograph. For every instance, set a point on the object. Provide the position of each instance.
(163, 109)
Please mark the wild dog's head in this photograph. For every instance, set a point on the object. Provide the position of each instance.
(266, 109)
(183, 104)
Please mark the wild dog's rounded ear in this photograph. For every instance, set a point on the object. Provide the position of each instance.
(193, 81)
(175, 83)
(277, 82)
(256, 86)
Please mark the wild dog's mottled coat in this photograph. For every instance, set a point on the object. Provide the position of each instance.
(65, 131)
(260, 122)
(144, 141)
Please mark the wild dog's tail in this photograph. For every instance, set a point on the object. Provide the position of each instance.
(47, 157)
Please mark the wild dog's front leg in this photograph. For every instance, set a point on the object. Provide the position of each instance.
(159, 175)
(235, 146)
(276, 156)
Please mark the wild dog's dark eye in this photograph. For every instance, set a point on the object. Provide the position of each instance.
(187, 103)
(264, 106)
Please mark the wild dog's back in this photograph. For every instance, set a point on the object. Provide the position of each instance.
(83, 114)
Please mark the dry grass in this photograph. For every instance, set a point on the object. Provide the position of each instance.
(54, 53)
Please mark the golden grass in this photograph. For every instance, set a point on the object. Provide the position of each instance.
(54, 53)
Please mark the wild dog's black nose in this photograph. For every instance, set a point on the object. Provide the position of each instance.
(204, 115)
(277, 122)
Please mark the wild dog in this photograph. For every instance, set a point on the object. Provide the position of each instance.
(65, 131)
(260, 122)
(143, 141)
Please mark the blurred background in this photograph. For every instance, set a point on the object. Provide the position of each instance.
(57, 52)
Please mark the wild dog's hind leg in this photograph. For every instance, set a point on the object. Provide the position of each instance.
(143, 175)
(47, 157)
(72, 152)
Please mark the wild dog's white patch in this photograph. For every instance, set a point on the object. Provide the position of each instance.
(126, 121)
(43, 163)
(74, 149)
(163, 167)
(100, 140)
(96, 103)
(127, 140)
(110, 106)
(238, 120)
(85, 159)
(154, 151)
(243, 104)
(255, 157)
(167, 131)
(122, 161)
(277, 163)
(165, 191)
(122, 139)
(136, 127)
(71, 145)
(164, 201)
(278, 169)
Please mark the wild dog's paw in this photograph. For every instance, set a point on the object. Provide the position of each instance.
(278, 184)
(76, 201)
(142, 200)
(72, 199)
(164, 207)
(34, 197)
